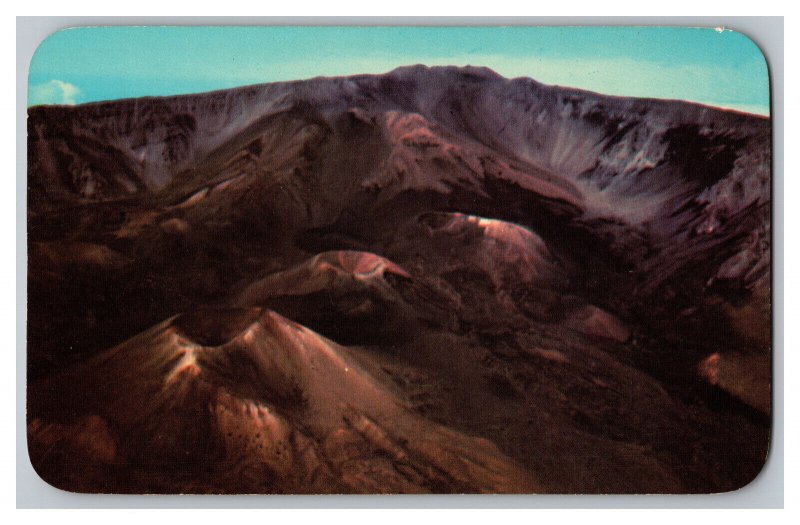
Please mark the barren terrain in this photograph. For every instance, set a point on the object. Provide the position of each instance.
(433, 280)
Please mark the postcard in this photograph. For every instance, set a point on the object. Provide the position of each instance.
(385, 260)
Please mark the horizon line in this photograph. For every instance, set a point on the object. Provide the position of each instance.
(746, 109)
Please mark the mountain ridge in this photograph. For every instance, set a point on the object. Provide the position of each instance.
(517, 261)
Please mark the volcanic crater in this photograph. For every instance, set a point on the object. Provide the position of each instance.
(436, 280)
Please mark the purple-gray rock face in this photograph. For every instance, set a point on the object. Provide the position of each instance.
(434, 280)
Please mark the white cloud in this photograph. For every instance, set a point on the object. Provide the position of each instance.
(53, 92)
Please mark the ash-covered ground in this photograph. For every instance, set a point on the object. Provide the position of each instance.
(434, 280)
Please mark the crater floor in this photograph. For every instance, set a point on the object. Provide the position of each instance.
(435, 280)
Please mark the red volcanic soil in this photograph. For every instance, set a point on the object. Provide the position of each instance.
(269, 406)
(430, 281)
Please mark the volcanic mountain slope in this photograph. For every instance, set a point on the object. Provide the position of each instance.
(436, 279)
(191, 404)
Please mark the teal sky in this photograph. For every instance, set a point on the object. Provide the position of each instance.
(721, 68)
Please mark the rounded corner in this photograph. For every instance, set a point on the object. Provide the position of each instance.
(42, 42)
(742, 34)
(751, 41)
(35, 54)
(43, 475)
(756, 476)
